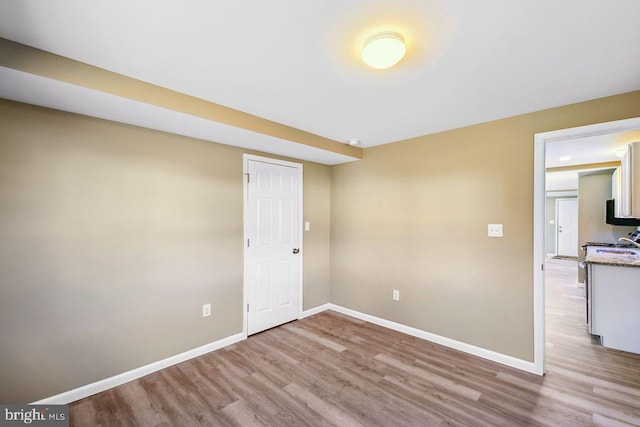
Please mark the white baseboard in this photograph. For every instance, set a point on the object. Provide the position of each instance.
(314, 310)
(102, 385)
(447, 342)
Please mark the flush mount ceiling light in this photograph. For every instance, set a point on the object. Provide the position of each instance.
(383, 50)
(564, 158)
(353, 141)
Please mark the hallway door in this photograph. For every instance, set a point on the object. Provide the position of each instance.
(273, 247)
(567, 229)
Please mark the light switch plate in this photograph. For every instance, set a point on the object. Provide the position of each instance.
(307, 226)
(396, 295)
(494, 230)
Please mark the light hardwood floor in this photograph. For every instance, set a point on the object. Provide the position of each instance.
(330, 369)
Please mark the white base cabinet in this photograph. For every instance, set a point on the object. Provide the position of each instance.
(614, 294)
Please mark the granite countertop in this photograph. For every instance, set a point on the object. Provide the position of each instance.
(615, 260)
(610, 245)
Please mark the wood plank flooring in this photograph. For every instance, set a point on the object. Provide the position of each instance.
(333, 370)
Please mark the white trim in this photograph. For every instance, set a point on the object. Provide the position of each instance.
(301, 241)
(447, 342)
(245, 170)
(539, 250)
(107, 383)
(314, 310)
(245, 202)
(567, 194)
(540, 141)
(555, 224)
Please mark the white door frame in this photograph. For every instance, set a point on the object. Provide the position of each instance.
(540, 141)
(245, 186)
(557, 216)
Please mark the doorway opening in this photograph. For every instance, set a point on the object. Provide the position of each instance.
(542, 145)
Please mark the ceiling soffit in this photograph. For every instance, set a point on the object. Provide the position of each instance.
(27, 59)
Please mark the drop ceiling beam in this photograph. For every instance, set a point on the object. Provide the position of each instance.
(602, 165)
(45, 64)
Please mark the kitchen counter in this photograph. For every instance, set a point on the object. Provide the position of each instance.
(622, 261)
(613, 254)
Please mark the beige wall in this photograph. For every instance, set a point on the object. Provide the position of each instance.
(413, 216)
(111, 239)
(113, 236)
(594, 189)
(316, 207)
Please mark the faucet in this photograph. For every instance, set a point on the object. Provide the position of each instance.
(629, 240)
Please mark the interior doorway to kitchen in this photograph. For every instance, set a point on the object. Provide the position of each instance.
(555, 167)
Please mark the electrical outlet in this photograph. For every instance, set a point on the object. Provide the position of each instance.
(206, 310)
(396, 295)
(494, 230)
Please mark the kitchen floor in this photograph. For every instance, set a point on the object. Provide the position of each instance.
(606, 382)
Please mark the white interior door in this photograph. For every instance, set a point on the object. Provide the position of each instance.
(273, 222)
(567, 230)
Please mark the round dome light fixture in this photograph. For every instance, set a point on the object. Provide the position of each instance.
(383, 50)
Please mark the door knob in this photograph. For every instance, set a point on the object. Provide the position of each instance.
(296, 250)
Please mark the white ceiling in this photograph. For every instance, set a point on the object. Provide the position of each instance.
(583, 151)
(594, 149)
(296, 62)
